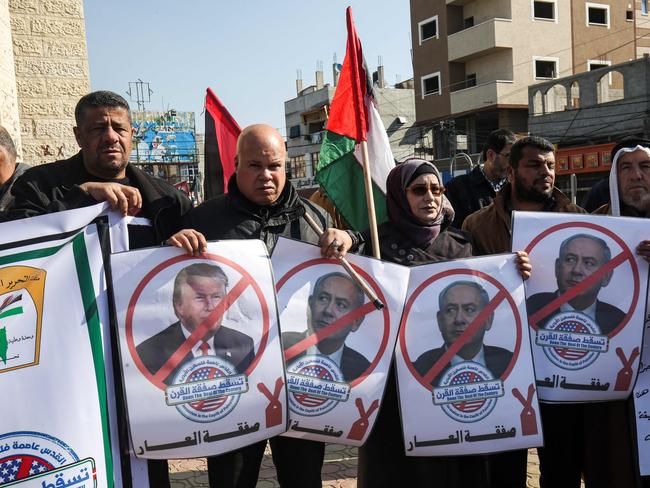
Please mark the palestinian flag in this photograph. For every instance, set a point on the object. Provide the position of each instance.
(221, 133)
(354, 118)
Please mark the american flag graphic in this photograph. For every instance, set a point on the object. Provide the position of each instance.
(204, 374)
(20, 467)
(315, 371)
(464, 378)
(571, 326)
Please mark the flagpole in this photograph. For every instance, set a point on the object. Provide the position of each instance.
(370, 201)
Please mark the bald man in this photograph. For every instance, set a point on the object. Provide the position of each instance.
(262, 204)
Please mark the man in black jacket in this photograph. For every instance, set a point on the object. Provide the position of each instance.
(261, 204)
(101, 172)
(9, 169)
(475, 190)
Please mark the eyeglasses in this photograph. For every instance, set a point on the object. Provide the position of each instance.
(421, 190)
(505, 155)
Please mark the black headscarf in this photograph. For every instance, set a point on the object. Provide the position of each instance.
(399, 211)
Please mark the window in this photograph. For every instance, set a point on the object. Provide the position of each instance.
(629, 15)
(470, 80)
(298, 168)
(597, 64)
(597, 14)
(544, 10)
(644, 7)
(314, 160)
(431, 84)
(545, 68)
(468, 22)
(428, 29)
(294, 131)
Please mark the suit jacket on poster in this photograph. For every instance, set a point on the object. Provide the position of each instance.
(497, 360)
(353, 364)
(608, 317)
(231, 345)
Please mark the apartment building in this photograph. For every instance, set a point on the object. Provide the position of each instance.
(306, 118)
(473, 60)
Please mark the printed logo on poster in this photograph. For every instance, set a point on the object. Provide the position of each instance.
(572, 340)
(21, 313)
(24, 455)
(316, 385)
(206, 389)
(467, 391)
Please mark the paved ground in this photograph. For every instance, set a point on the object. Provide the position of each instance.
(339, 470)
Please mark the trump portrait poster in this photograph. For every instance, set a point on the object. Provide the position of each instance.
(337, 343)
(586, 302)
(464, 366)
(200, 348)
(55, 422)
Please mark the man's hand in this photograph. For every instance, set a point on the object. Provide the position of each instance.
(189, 239)
(334, 243)
(523, 264)
(643, 250)
(120, 197)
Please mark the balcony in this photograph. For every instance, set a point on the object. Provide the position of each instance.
(485, 95)
(482, 39)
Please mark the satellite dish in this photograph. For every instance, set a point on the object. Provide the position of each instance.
(338, 67)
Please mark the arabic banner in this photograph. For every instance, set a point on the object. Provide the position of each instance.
(200, 349)
(337, 344)
(464, 366)
(55, 425)
(586, 302)
(642, 402)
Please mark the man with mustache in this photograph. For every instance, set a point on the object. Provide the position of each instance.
(531, 177)
(99, 172)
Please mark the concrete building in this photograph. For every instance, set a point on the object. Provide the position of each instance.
(473, 60)
(43, 73)
(306, 118)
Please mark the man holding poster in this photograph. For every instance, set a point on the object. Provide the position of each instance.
(531, 174)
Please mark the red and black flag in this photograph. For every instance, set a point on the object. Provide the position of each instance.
(221, 132)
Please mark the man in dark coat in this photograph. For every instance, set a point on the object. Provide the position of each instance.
(101, 172)
(261, 204)
(198, 289)
(580, 255)
(9, 169)
(334, 295)
(459, 303)
(475, 190)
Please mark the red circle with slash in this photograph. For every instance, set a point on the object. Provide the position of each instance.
(444, 274)
(625, 250)
(246, 280)
(375, 287)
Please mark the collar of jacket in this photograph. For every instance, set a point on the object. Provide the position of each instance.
(286, 208)
(502, 203)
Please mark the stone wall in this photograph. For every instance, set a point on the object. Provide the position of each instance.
(8, 98)
(51, 66)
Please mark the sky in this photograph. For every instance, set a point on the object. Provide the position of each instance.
(247, 51)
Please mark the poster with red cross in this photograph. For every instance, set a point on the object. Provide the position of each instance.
(337, 344)
(586, 301)
(200, 348)
(464, 365)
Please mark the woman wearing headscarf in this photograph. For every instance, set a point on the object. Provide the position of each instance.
(417, 232)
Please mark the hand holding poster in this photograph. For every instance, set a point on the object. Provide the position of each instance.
(200, 348)
(586, 302)
(464, 366)
(54, 410)
(337, 345)
(642, 404)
